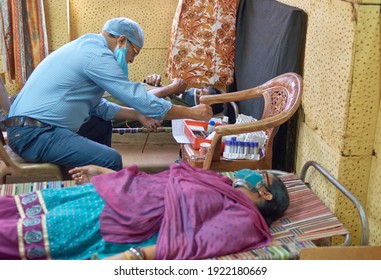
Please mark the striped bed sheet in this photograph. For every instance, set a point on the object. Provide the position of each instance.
(20, 188)
(307, 219)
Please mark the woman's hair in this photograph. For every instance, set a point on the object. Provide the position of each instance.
(273, 209)
(217, 108)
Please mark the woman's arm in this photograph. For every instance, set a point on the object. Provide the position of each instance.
(148, 253)
(178, 86)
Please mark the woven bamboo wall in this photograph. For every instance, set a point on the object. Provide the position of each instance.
(340, 124)
(154, 16)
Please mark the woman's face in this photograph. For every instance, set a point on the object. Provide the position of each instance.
(200, 92)
(263, 191)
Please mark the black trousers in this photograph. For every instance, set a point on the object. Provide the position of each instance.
(98, 130)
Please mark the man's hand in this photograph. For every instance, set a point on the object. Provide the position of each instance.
(201, 112)
(150, 123)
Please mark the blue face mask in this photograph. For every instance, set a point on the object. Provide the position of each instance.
(120, 55)
(248, 178)
(189, 97)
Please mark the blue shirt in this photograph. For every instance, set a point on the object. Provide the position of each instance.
(67, 87)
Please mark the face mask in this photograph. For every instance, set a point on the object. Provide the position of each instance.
(189, 97)
(248, 178)
(120, 55)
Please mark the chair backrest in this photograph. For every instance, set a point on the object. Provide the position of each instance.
(281, 100)
(12, 165)
(282, 96)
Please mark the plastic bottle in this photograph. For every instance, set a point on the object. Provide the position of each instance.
(211, 126)
(247, 150)
(256, 151)
(227, 149)
(251, 150)
(233, 149)
(241, 154)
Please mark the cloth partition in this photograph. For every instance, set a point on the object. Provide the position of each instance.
(269, 42)
(201, 49)
(24, 40)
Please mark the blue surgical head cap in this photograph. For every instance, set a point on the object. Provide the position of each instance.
(125, 26)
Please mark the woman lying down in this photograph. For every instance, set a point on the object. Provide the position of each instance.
(180, 213)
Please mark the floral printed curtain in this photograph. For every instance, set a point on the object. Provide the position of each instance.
(202, 42)
(23, 37)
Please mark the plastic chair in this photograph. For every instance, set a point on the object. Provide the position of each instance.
(282, 97)
(12, 167)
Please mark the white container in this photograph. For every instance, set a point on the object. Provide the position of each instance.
(204, 147)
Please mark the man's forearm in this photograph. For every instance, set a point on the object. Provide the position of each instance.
(126, 113)
(176, 112)
(199, 112)
(179, 112)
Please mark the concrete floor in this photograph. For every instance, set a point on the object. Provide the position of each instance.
(161, 150)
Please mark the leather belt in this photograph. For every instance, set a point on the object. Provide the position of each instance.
(22, 121)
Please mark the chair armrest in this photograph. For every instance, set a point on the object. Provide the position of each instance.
(264, 124)
(233, 96)
(232, 129)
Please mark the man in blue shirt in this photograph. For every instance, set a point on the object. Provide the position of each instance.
(66, 89)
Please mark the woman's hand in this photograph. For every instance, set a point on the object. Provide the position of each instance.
(179, 85)
(153, 80)
(147, 253)
(83, 174)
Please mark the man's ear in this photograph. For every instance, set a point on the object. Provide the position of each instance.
(265, 194)
(122, 40)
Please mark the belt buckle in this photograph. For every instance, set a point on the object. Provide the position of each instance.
(29, 122)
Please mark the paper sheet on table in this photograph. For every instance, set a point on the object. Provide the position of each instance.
(178, 132)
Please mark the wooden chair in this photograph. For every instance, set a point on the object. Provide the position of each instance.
(282, 97)
(13, 169)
